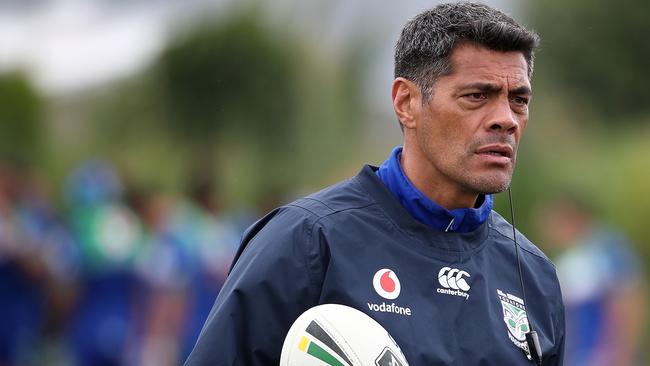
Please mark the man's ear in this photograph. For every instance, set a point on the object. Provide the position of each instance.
(407, 101)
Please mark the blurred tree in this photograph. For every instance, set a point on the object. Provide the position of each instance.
(232, 85)
(255, 104)
(21, 112)
(597, 52)
(231, 78)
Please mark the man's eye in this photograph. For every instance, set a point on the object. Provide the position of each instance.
(476, 96)
(520, 100)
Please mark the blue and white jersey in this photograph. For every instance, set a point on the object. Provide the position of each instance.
(594, 272)
(447, 298)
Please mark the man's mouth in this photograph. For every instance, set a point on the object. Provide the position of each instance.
(496, 153)
(497, 150)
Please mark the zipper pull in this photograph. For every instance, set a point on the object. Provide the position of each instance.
(451, 223)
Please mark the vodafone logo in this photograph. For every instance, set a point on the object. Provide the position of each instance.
(386, 284)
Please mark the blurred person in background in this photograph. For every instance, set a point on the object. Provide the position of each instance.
(107, 316)
(602, 284)
(39, 263)
(167, 269)
(188, 247)
(203, 225)
(22, 301)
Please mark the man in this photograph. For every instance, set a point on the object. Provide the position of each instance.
(414, 243)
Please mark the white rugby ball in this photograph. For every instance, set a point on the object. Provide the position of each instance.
(339, 335)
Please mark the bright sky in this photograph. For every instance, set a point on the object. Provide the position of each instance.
(68, 45)
(71, 45)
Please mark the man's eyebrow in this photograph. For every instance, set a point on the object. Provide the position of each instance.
(493, 88)
(522, 90)
(483, 87)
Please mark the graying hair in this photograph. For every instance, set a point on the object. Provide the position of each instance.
(425, 45)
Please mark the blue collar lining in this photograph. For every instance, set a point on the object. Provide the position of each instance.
(425, 210)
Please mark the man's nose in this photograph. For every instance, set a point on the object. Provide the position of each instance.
(503, 118)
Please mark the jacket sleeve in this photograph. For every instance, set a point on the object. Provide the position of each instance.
(556, 357)
(276, 276)
(558, 360)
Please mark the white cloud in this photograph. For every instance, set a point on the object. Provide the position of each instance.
(67, 45)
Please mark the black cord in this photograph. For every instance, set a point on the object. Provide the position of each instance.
(531, 337)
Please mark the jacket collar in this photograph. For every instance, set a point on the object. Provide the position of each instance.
(424, 209)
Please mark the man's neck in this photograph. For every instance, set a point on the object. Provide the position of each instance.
(435, 185)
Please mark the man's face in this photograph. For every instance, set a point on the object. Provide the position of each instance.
(469, 131)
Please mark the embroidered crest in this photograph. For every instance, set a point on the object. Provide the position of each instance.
(516, 319)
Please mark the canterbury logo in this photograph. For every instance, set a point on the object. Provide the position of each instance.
(453, 278)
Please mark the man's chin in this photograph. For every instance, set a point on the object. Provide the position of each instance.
(496, 190)
(490, 186)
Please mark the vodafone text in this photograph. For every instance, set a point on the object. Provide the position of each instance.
(392, 308)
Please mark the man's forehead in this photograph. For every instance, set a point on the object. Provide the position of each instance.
(482, 64)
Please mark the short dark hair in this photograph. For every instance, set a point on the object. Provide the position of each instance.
(423, 50)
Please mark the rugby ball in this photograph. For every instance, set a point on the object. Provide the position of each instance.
(339, 335)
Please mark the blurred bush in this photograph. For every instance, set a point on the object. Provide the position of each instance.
(21, 118)
(596, 51)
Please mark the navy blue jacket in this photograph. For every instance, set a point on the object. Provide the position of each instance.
(447, 298)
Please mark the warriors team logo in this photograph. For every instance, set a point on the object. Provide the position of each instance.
(516, 319)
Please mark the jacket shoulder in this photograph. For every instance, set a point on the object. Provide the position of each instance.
(343, 196)
(505, 229)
